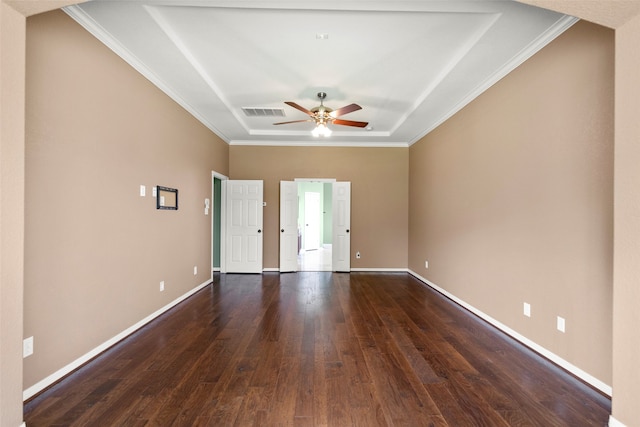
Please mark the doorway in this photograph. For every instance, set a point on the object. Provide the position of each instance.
(236, 225)
(216, 219)
(315, 225)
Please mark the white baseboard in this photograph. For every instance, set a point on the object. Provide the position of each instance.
(381, 270)
(271, 269)
(589, 379)
(60, 373)
(615, 423)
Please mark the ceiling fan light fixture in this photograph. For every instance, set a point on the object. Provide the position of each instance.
(321, 130)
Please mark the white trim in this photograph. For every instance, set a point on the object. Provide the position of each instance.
(314, 180)
(89, 24)
(276, 269)
(320, 143)
(381, 270)
(604, 388)
(23, 424)
(221, 177)
(62, 372)
(615, 423)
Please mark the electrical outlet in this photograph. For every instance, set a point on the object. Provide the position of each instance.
(527, 309)
(560, 324)
(162, 286)
(358, 255)
(426, 264)
(27, 347)
(143, 191)
(195, 270)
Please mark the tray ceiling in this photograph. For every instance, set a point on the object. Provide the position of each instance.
(409, 64)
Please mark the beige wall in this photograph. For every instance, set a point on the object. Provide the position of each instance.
(619, 14)
(626, 328)
(12, 34)
(511, 200)
(379, 199)
(95, 251)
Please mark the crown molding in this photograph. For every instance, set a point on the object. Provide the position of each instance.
(559, 27)
(89, 24)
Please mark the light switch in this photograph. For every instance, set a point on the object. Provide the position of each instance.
(560, 324)
(143, 191)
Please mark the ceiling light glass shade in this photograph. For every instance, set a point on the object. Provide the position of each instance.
(321, 130)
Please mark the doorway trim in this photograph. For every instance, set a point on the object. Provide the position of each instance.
(315, 180)
(221, 177)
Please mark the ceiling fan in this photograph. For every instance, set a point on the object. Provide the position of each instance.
(322, 116)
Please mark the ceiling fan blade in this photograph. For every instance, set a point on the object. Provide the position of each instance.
(344, 110)
(293, 121)
(298, 107)
(349, 123)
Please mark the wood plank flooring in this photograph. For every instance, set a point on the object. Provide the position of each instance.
(318, 349)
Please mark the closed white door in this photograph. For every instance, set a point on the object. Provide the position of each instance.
(243, 249)
(311, 221)
(288, 226)
(341, 226)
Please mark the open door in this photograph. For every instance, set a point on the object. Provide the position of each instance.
(243, 223)
(288, 226)
(341, 226)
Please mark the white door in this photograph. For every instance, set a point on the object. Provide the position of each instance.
(243, 248)
(341, 226)
(288, 226)
(311, 221)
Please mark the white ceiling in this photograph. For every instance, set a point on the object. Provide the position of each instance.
(409, 64)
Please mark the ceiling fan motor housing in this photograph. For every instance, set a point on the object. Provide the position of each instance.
(322, 115)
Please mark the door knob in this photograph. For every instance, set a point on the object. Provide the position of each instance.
(282, 230)
(259, 231)
(347, 230)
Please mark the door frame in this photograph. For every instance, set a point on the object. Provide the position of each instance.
(221, 177)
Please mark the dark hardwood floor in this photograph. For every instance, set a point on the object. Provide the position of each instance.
(318, 349)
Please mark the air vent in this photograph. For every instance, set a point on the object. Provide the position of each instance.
(263, 112)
